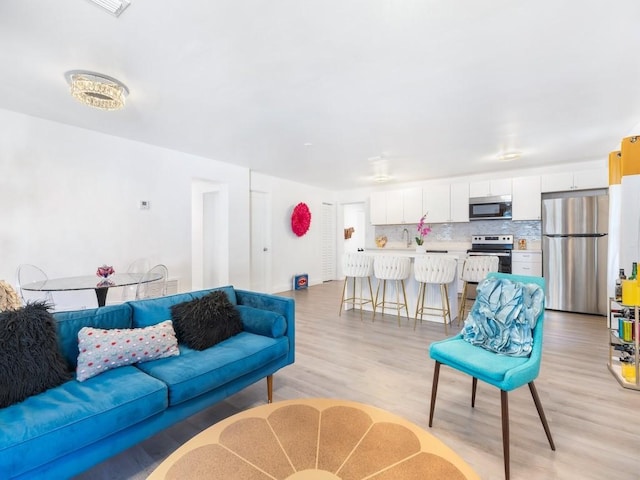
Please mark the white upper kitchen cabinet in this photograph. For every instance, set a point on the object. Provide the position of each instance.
(578, 180)
(446, 203)
(395, 211)
(436, 202)
(527, 198)
(378, 208)
(490, 188)
(412, 205)
(396, 207)
(460, 202)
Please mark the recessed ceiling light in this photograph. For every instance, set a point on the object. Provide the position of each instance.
(508, 156)
(114, 7)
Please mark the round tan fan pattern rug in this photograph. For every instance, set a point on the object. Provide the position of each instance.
(314, 439)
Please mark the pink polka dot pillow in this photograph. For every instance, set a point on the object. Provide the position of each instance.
(102, 350)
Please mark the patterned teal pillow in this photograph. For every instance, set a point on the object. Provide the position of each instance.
(102, 350)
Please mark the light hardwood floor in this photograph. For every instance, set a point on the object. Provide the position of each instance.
(595, 423)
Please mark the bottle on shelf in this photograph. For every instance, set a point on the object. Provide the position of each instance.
(621, 277)
(634, 271)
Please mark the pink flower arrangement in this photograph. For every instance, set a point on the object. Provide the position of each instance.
(423, 230)
(105, 271)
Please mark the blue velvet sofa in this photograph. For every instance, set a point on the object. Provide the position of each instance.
(70, 428)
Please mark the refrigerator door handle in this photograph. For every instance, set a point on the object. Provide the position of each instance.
(575, 235)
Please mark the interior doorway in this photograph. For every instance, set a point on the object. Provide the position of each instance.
(354, 227)
(209, 234)
(260, 242)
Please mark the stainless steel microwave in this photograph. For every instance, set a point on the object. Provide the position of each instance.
(490, 208)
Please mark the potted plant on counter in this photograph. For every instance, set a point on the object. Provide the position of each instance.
(423, 231)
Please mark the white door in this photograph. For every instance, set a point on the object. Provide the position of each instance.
(260, 242)
(329, 236)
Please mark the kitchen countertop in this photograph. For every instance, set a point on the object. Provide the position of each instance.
(398, 247)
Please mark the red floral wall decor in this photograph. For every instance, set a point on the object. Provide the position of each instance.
(300, 219)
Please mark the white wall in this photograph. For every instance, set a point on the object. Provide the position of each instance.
(70, 202)
(291, 254)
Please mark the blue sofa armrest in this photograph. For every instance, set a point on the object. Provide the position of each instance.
(284, 306)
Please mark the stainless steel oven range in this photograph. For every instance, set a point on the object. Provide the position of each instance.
(499, 245)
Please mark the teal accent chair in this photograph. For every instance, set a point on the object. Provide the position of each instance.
(502, 371)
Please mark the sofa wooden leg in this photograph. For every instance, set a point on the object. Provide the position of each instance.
(474, 386)
(270, 389)
(434, 391)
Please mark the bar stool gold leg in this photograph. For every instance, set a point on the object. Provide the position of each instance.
(463, 302)
(342, 299)
(444, 292)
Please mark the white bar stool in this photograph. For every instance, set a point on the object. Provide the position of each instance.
(474, 270)
(357, 266)
(396, 269)
(434, 270)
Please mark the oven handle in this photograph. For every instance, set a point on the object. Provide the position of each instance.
(485, 254)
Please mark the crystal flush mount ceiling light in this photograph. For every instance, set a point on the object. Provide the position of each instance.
(114, 7)
(509, 156)
(97, 90)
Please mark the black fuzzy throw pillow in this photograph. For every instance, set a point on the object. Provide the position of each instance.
(205, 321)
(30, 361)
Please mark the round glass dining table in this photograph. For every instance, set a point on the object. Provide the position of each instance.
(91, 282)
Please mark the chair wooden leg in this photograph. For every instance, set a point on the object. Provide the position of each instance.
(270, 389)
(344, 289)
(434, 391)
(504, 400)
(474, 386)
(543, 418)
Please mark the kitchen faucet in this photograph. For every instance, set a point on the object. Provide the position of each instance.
(408, 236)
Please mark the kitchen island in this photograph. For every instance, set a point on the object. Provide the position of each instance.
(432, 296)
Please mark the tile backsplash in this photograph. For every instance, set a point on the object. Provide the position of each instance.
(462, 232)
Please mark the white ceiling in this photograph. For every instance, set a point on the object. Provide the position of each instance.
(436, 87)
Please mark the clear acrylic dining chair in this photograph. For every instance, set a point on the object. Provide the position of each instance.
(28, 274)
(153, 283)
(139, 266)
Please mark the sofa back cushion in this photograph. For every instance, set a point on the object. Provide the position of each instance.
(155, 310)
(151, 311)
(70, 323)
(228, 289)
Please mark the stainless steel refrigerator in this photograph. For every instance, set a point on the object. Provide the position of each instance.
(574, 250)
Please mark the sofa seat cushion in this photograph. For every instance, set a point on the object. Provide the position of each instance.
(195, 372)
(61, 420)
